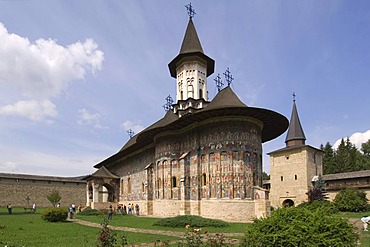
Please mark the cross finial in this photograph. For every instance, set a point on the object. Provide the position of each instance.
(293, 96)
(169, 102)
(190, 9)
(228, 77)
(131, 133)
(219, 82)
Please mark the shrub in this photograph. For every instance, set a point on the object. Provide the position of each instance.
(106, 237)
(191, 220)
(55, 214)
(298, 226)
(325, 206)
(350, 200)
(90, 212)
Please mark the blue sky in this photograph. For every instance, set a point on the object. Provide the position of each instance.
(76, 75)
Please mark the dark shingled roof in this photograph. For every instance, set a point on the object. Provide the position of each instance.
(346, 175)
(102, 173)
(295, 131)
(191, 42)
(191, 47)
(226, 103)
(41, 178)
(225, 98)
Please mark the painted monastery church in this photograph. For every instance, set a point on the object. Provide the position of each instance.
(204, 157)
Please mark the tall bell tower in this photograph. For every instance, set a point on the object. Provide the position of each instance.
(295, 168)
(191, 67)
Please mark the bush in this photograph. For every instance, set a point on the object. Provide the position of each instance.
(90, 212)
(55, 214)
(350, 200)
(298, 226)
(324, 206)
(191, 220)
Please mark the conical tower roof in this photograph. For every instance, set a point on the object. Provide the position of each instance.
(191, 47)
(191, 42)
(295, 134)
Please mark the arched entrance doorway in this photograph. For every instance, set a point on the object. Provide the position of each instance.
(108, 193)
(288, 203)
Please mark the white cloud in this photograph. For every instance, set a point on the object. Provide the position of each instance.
(87, 118)
(134, 126)
(43, 69)
(34, 110)
(357, 139)
(8, 167)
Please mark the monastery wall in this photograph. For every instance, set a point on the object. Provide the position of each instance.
(15, 191)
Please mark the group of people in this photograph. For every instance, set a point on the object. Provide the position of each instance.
(122, 209)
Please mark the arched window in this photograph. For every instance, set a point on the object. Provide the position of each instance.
(190, 91)
(204, 179)
(181, 95)
(174, 182)
(129, 186)
(200, 94)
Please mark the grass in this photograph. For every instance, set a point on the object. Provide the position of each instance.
(26, 229)
(147, 223)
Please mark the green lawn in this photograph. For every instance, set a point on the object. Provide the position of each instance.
(26, 229)
(147, 223)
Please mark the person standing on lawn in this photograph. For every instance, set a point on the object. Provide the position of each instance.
(366, 221)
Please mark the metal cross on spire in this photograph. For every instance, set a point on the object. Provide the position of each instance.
(228, 77)
(219, 83)
(131, 133)
(293, 96)
(169, 102)
(190, 9)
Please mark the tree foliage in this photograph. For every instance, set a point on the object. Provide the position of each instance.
(346, 158)
(318, 192)
(299, 226)
(350, 200)
(54, 197)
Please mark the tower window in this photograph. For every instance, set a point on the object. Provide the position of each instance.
(200, 94)
(174, 182)
(282, 178)
(287, 157)
(295, 177)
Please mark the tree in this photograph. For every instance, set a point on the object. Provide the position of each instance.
(265, 176)
(54, 197)
(365, 148)
(350, 200)
(328, 158)
(318, 192)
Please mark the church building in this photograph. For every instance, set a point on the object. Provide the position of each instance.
(203, 157)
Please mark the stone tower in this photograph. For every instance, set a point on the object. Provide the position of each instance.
(293, 169)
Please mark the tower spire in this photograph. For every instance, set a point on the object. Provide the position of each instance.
(295, 135)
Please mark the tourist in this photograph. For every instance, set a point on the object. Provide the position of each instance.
(34, 208)
(129, 209)
(110, 212)
(137, 209)
(132, 208)
(74, 207)
(58, 205)
(9, 207)
(70, 212)
(366, 221)
(124, 209)
(79, 208)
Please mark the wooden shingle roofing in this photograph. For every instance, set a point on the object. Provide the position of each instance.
(225, 104)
